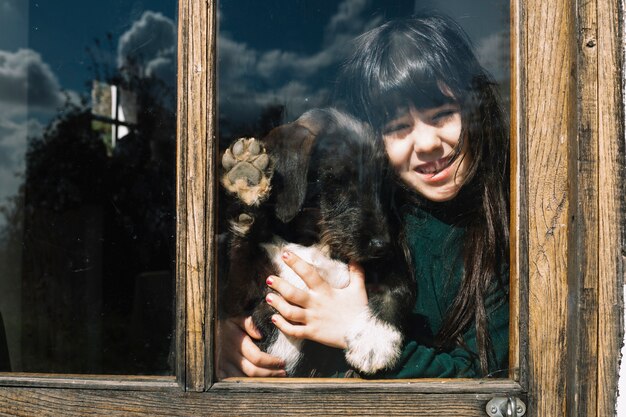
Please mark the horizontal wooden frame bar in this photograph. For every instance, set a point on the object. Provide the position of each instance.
(418, 386)
(110, 382)
(240, 402)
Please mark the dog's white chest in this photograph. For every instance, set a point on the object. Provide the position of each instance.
(332, 271)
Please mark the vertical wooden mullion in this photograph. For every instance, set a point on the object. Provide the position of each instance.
(194, 192)
(196, 198)
(181, 207)
(549, 99)
(584, 186)
(519, 220)
(611, 194)
(211, 186)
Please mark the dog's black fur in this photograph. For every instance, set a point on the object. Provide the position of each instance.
(328, 187)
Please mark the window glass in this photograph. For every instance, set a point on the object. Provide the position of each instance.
(87, 177)
(279, 59)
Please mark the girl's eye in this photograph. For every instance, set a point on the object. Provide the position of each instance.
(443, 115)
(395, 128)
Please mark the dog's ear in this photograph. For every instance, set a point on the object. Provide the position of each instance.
(291, 146)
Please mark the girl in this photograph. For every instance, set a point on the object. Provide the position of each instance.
(418, 83)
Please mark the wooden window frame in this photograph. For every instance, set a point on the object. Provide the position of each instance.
(567, 246)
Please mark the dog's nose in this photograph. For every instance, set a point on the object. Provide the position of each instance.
(377, 247)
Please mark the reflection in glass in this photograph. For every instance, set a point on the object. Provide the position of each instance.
(277, 60)
(87, 165)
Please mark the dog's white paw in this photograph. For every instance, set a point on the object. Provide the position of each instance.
(288, 349)
(242, 225)
(248, 171)
(373, 345)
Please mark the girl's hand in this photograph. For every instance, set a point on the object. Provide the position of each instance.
(239, 356)
(322, 314)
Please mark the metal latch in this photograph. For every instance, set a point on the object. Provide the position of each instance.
(506, 407)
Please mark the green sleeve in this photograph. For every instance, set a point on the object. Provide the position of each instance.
(436, 249)
(420, 361)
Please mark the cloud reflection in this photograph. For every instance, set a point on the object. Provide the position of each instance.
(252, 80)
(150, 46)
(26, 79)
(31, 94)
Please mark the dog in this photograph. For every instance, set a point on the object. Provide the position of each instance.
(317, 187)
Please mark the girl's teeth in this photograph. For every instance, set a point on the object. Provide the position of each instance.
(432, 168)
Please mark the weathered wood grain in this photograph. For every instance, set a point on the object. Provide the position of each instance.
(194, 216)
(68, 403)
(611, 203)
(582, 341)
(181, 206)
(109, 382)
(422, 386)
(211, 187)
(519, 221)
(549, 111)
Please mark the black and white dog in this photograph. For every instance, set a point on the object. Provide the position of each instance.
(316, 187)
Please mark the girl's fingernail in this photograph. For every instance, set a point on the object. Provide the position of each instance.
(286, 255)
(268, 298)
(269, 281)
(274, 319)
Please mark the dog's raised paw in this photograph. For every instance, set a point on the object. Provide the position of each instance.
(247, 171)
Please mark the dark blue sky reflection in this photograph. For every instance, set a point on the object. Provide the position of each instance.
(44, 62)
(62, 30)
(281, 56)
(273, 54)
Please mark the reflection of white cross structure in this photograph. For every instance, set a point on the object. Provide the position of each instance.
(115, 109)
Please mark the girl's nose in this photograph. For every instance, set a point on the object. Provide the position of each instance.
(425, 139)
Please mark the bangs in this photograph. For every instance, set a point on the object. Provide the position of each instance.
(423, 63)
(404, 81)
(420, 95)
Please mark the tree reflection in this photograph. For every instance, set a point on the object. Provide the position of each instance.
(96, 232)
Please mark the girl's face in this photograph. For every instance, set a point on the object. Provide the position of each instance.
(419, 143)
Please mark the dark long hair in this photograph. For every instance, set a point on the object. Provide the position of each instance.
(424, 61)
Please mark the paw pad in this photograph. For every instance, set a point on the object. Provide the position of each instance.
(247, 170)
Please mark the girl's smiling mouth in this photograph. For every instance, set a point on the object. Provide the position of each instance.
(434, 168)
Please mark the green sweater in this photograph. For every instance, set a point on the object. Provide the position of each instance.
(436, 251)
